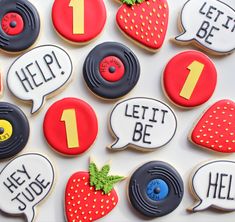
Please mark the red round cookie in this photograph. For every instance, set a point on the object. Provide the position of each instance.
(12, 23)
(189, 79)
(79, 21)
(112, 69)
(70, 126)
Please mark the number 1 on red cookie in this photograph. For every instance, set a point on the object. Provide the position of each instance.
(196, 69)
(78, 16)
(69, 118)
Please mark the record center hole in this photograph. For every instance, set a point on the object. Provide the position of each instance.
(1, 130)
(157, 190)
(112, 69)
(13, 24)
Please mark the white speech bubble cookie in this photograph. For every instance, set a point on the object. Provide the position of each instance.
(142, 123)
(38, 73)
(24, 182)
(210, 24)
(213, 184)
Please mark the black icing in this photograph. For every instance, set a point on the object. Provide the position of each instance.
(103, 88)
(20, 125)
(139, 181)
(28, 36)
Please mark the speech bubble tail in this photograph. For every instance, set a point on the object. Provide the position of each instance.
(30, 215)
(200, 206)
(37, 104)
(118, 145)
(184, 37)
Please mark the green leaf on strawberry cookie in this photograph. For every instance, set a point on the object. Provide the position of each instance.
(100, 179)
(132, 2)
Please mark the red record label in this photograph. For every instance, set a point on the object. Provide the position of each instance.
(112, 69)
(12, 23)
(70, 126)
(189, 79)
(79, 20)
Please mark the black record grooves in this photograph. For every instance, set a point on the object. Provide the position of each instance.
(140, 180)
(12, 140)
(30, 32)
(99, 85)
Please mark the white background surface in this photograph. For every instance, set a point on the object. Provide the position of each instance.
(179, 152)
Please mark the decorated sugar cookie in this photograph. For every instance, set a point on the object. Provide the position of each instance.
(78, 21)
(90, 196)
(142, 123)
(111, 70)
(19, 25)
(70, 126)
(155, 189)
(144, 21)
(208, 24)
(1, 84)
(39, 73)
(14, 130)
(216, 128)
(24, 183)
(212, 184)
(189, 79)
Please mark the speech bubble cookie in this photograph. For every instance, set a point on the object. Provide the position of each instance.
(25, 182)
(213, 184)
(142, 123)
(38, 73)
(210, 24)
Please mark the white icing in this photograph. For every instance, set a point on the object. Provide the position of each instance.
(221, 195)
(130, 115)
(29, 172)
(213, 14)
(47, 68)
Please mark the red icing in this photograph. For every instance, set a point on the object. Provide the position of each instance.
(146, 23)
(216, 128)
(16, 20)
(94, 19)
(116, 64)
(83, 203)
(55, 130)
(176, 73)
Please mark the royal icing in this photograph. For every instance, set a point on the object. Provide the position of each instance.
(213, 185)
(144, 21)
(90, 195)
(24, 182)
(210, 24)
(142, 123)
(185, 79)
(216, 130)
(1, 84)
(155, 189)
(14, 130)
(70, 126)
(111, 70)
(38, 73)
(79, 21)
(19, 25)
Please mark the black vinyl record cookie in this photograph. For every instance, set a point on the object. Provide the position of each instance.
(155, 189)
(14, 130)
(20, 25)
(111, 70)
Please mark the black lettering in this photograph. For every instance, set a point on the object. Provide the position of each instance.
(10, 185)
(154, 115)
(36, 188)
(163, 115)
(210, 12)
(24, 171)
(49, 60)
(218, 15)
(144, 109)
(45, 79)
(23, 207)
(221, 185)
(23, 80)
(202, 8)
(30, 197)
(229, 188)
(211, 34)
(202, 32)
(135, 111)
(146, 134)
(16, 179)
(126, 111)
(226, 25)
(41, 182)
(210, 185)
(137, 136)
(33, 75)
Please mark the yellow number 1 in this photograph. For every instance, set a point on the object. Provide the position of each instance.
(196, 69)
(78, 16)
(69, 117)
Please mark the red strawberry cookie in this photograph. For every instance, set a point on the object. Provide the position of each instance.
(144, 21)
(79, 21)
(216, 128)
(90, 195)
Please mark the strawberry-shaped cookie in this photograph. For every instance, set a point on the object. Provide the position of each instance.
(216, 128)
(90, 195)
(144, 21)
